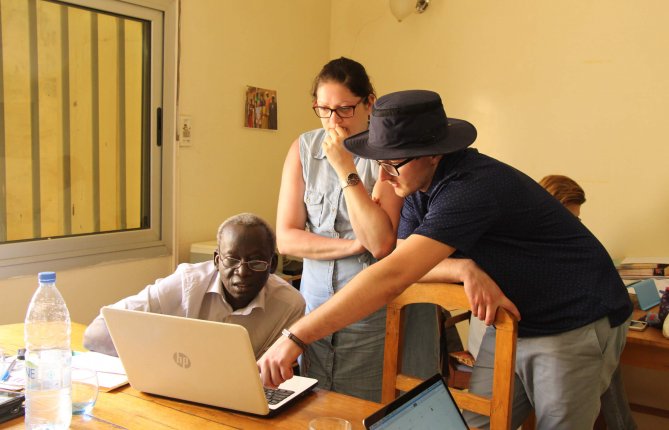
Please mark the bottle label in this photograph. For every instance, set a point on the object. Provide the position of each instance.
(48, 370)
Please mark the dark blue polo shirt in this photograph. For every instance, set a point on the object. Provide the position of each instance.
(543, 258)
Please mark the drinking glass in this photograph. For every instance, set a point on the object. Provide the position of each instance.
(84, 390)
(329, 423)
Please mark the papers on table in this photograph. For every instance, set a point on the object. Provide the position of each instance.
(16, 380)
(111, 373)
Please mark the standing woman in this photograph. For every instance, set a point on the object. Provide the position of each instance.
(334, 214)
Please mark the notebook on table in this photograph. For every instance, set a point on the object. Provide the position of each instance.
(427, 406)
(646, 293)
(196, 360)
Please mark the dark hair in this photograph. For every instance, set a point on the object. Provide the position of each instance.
(563, 188)
(249, 220)
(347, 72)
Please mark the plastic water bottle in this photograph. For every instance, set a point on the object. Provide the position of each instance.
(48, 358)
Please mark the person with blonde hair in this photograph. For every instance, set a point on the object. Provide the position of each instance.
(566, 191)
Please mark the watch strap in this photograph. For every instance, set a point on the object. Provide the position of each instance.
(294, 338)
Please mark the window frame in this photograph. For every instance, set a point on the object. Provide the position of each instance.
(29, 257)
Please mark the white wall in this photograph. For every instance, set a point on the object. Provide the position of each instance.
(570, 87)
(279, 45)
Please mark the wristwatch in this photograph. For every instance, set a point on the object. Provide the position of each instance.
(297, 340)
(351, 179)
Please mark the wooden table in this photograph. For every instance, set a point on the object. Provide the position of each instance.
(647, 349)
(127, 408)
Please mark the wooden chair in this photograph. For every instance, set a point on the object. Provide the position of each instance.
(451, 296)
(458, 363)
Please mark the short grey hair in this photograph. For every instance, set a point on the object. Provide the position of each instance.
(248, 220)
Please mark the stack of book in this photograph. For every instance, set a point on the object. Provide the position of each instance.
(642, 268)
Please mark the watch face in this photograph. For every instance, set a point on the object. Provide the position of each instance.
(353, 179)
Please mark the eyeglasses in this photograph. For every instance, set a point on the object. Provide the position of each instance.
(233, 263)
(393, 169)
(342, 111)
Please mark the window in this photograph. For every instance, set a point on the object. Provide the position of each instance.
(84, 172)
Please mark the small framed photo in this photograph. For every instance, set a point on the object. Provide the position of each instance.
(261, 108)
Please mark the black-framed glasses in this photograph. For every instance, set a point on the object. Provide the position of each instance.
(234, 263)
(342, 111)
(393, 169)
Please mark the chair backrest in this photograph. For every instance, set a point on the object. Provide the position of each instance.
(452, 296)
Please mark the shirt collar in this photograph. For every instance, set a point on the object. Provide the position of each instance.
(258, 301)
(446, 168)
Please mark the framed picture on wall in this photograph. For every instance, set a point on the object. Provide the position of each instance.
(261, 108)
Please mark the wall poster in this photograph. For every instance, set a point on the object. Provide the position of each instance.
(260, 109)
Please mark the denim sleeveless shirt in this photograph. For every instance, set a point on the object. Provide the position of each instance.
(327, 216)
(351, 360)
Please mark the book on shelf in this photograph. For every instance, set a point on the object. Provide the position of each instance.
(633, 278)
(641, 265)
(652, 261)
(648, 272)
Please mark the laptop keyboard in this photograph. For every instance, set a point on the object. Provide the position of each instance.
(275, 396)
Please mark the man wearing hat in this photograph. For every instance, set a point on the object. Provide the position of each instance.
(472, 219)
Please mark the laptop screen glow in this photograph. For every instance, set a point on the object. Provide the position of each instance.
(433, 408)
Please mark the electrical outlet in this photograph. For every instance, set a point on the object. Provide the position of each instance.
(185, 130)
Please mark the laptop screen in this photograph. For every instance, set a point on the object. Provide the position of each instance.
(428, 406)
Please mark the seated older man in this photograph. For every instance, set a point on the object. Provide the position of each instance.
(238, 286)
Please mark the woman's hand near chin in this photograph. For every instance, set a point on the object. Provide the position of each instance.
(338, 156)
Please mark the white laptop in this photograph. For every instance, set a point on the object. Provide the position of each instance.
(195, 360)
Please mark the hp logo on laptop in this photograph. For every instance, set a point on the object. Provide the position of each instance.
(181, 360)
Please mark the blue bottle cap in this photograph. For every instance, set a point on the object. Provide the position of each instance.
(47, 277)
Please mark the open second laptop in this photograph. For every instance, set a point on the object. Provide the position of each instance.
(427, 406)
(196, 360)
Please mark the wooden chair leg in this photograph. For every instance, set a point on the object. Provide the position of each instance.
(600, 423)
(530, 422)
